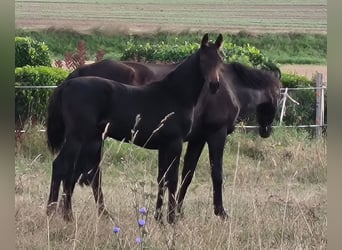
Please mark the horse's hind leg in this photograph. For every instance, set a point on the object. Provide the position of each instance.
(89, 161)
(191, 157)
(61, 166)
(68, 189)
(56, 179)
(216, 142)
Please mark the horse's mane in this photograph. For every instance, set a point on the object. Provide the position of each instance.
(243, 75)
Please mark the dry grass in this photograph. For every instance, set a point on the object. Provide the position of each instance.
(275, 190)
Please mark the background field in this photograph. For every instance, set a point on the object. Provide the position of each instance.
(151, 15)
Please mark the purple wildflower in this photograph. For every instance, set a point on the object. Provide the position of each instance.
(141, 222)
(138, 240)
(116, 230)
(143, 210)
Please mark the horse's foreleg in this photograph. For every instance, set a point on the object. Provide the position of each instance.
(168, 176)
(191, 157)
(161, 186)
(216, 142)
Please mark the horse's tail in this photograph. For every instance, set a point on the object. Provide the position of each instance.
(55, 124)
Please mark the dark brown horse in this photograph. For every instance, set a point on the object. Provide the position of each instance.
(244, 92)
(81, 108)
(131, 73)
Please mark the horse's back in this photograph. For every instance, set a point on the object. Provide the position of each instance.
(87, 99)
(149, 72)
(142, 73)
(109, 69)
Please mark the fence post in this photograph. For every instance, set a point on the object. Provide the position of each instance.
(319, 104)
(283, 107)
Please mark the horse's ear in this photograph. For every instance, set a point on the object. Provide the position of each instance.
(205, 40)
(219, 41)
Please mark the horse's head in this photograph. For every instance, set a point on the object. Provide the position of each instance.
(211, 62)
(266, 111)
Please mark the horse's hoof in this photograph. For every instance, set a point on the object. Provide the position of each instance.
(158, 216)
(68, 217)
(222, 213)
(51, 208)
(171, 218)
(180, 214)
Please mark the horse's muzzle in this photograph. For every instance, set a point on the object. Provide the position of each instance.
(265, 132)
(213, 86)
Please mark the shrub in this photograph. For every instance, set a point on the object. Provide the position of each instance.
(169, 52)
(162, 52)
(32, 103)
(291, 80)
(74, 60)
(31, 52)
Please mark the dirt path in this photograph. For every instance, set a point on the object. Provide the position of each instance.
(305, 70)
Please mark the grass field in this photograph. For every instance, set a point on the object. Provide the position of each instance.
(275, 190)
(151, 15)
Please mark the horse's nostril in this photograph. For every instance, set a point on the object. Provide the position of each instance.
(266, 131)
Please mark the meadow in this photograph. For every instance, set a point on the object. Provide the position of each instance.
(291, 32)
(274, 189)
(152, 15)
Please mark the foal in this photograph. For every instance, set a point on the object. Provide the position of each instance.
(81, 107)
(243, 92)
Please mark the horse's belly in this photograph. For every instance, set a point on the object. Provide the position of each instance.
(145, 138)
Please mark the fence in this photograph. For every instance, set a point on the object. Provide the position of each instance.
(320, 115)
(320, 88)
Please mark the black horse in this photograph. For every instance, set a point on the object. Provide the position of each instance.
(244, 92)
(81, 109)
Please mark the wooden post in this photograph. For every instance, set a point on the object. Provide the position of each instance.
(283, 107)
(319, 104)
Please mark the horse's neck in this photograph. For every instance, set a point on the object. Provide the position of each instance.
(247, 96)
(186, 81)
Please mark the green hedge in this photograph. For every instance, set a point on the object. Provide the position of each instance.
(32, 103)
(165, 52)
(31, 52)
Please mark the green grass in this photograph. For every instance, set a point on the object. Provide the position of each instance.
(288, 48)
(275, 190)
